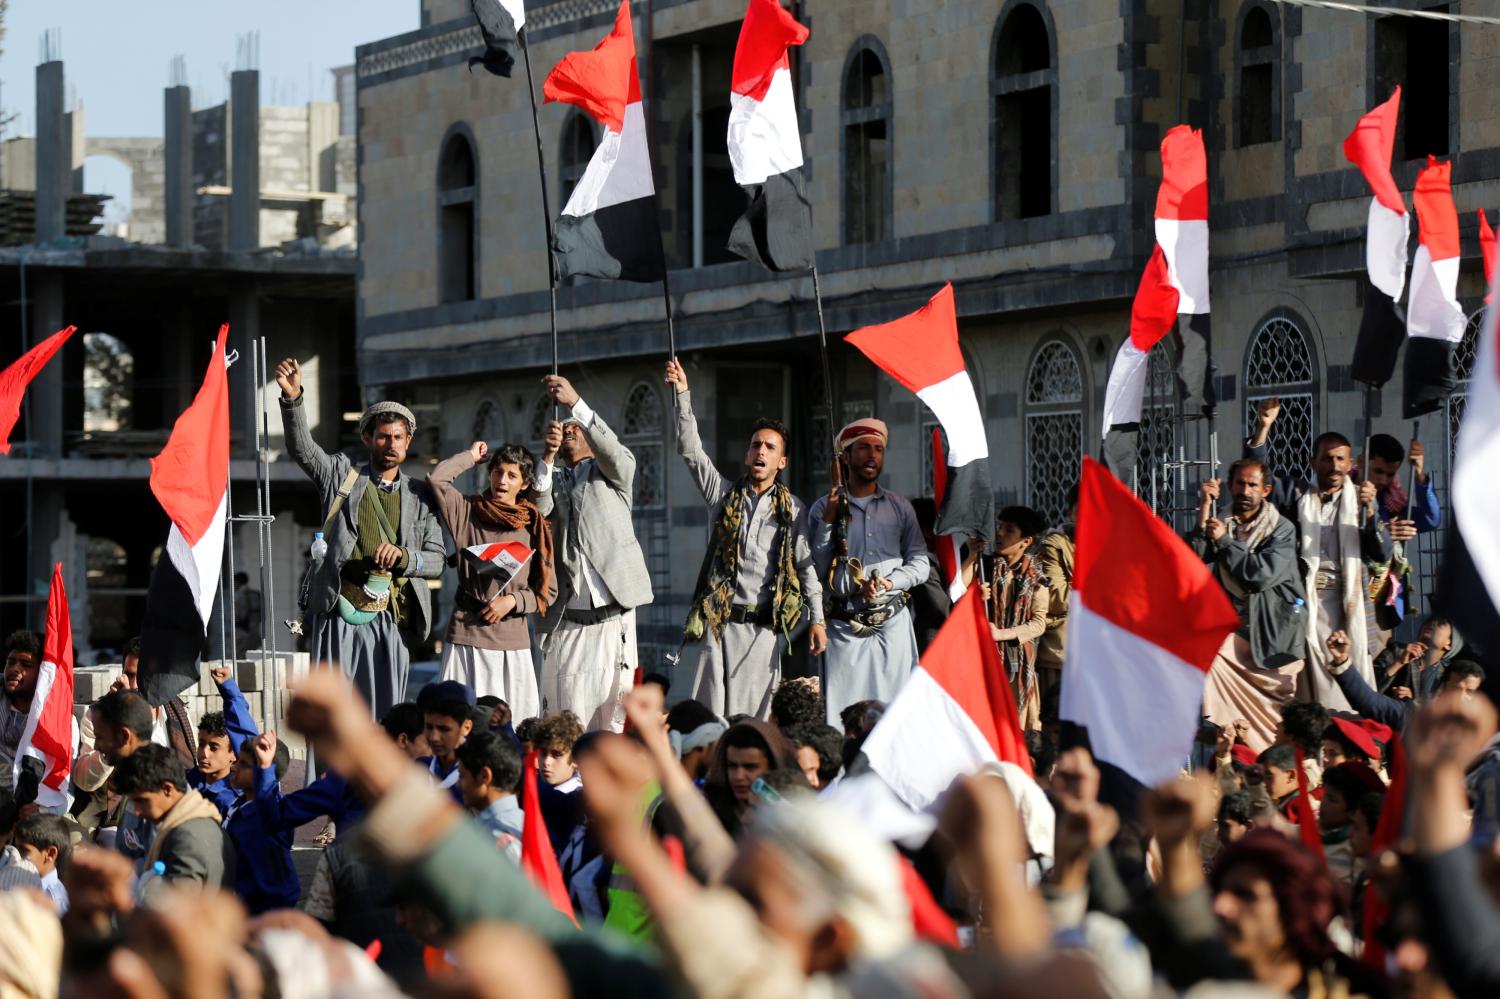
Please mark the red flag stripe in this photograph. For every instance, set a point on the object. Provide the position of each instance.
(14, 379)
(1307, 822)
(537, 858)
(963, 641)
(1370, 147)
(1487, 251)
(1184, 176)
(190, 475)
(917, 350)
(1437, 219)
(764, 36)
(603, 81)
(1154, 310)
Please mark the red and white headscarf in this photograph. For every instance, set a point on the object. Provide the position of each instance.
(868, 429)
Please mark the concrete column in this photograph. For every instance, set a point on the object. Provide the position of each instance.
(53, 154)
(244, 326)
(244, 167)
(77, 148)
(322, 142)
(49, 523)
(178, 186)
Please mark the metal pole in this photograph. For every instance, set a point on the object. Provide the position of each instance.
(666, 296)
(1364, 471)
(833, 427)
(541, 169)
(30, 457)
(1411, 491)
(228, 582)
(697, 107)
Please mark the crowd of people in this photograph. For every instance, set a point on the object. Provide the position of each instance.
(571, 826)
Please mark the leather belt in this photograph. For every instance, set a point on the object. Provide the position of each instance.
(592, 615)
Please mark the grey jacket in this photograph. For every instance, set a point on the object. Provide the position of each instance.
(196, 853)
(421, 536)
(591, 517)
(1274, 624)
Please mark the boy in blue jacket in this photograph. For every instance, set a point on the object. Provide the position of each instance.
(220, 736)
(264, 877)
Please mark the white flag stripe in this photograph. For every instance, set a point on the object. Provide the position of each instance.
(956, 407)
(1139, 702)
(1386, 236)
(764, 137)
(1127, 386)
(619, 171)
(1477, 458)
(1432, 311)
(517, 11)
(924, 740)
(1184, 242)
(46, 796)
(200, 564)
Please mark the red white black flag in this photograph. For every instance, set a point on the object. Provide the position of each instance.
(190, 479)
(765, 142)
(1369, 147)
(1435, 322)
(1172, 297)
(921, 352)
(501, 560)
(50, 739)
(14, 379)
(608, 228)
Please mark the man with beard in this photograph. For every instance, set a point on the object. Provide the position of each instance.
(1254, 557)
(360, 603)
(869, 547)
(758, 576)
(23, 660)
(590, 652)
(1339, 531)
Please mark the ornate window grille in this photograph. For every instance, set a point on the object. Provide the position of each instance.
(1280, 363)
(541, 413)
(1463, 366)
(489, 423)
(1054, 428)
(1155, 443)
(642, 431)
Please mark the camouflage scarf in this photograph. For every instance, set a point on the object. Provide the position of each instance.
(721, 563)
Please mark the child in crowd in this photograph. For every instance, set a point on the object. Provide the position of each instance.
(553, 739)
(43, 840)
(489, 772)
(264, 877)
(220, 736)
(447, 716)
(188, 840)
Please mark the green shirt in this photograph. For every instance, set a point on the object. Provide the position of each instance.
(369, 538)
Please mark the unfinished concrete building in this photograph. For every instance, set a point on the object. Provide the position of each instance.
(240, 213)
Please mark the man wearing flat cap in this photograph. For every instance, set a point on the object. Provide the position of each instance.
(368, 596)
(870, 552)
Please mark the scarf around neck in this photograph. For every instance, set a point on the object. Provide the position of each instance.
(1351, 566)
(492, 512)
(721, 564)
(1257, 530)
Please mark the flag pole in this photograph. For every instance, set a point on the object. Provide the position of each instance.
(541, 171)
(833, 427)
(1364, 471)
(666, 297)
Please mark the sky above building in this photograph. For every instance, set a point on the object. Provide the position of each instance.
(118, 56)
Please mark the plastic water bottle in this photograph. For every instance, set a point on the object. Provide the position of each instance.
(1299, 607)
(319, 548)
(157, 870)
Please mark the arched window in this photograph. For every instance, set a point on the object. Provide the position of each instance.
(642, 431)
(1023, 133)
(1257, 63)
(1280, 363)
(866, 119)
(1463, 366)
(1054, 428)
(578, 142)
(458, 223)
(108, 383)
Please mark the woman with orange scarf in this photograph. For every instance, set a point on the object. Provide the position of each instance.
(487, 644)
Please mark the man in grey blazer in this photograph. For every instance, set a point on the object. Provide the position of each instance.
(590, 652)
(368, 596)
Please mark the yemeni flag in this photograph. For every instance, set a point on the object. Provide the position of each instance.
(955, 714)
(1369, 147)
(190, 479)
(1171, 298)
(14, 379)
(608, 228)
(51, 735)
(921, 352)
(502, 560)
(1144, 623)
(950, 546)
(765, 143)
(1469, 582)
(500, 22)
(1435, 322)
(537, 857)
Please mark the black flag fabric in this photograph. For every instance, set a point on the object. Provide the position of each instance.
(500, 22)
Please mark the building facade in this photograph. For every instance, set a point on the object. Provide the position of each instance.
(1007, 146)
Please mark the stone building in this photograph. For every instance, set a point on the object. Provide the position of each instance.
(1008, 146)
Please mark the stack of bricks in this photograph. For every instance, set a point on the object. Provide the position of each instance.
(266, 685)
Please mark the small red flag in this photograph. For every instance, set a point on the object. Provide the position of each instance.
(14, 379)
(537, 858)
(1307, 822)
(1387, 831)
